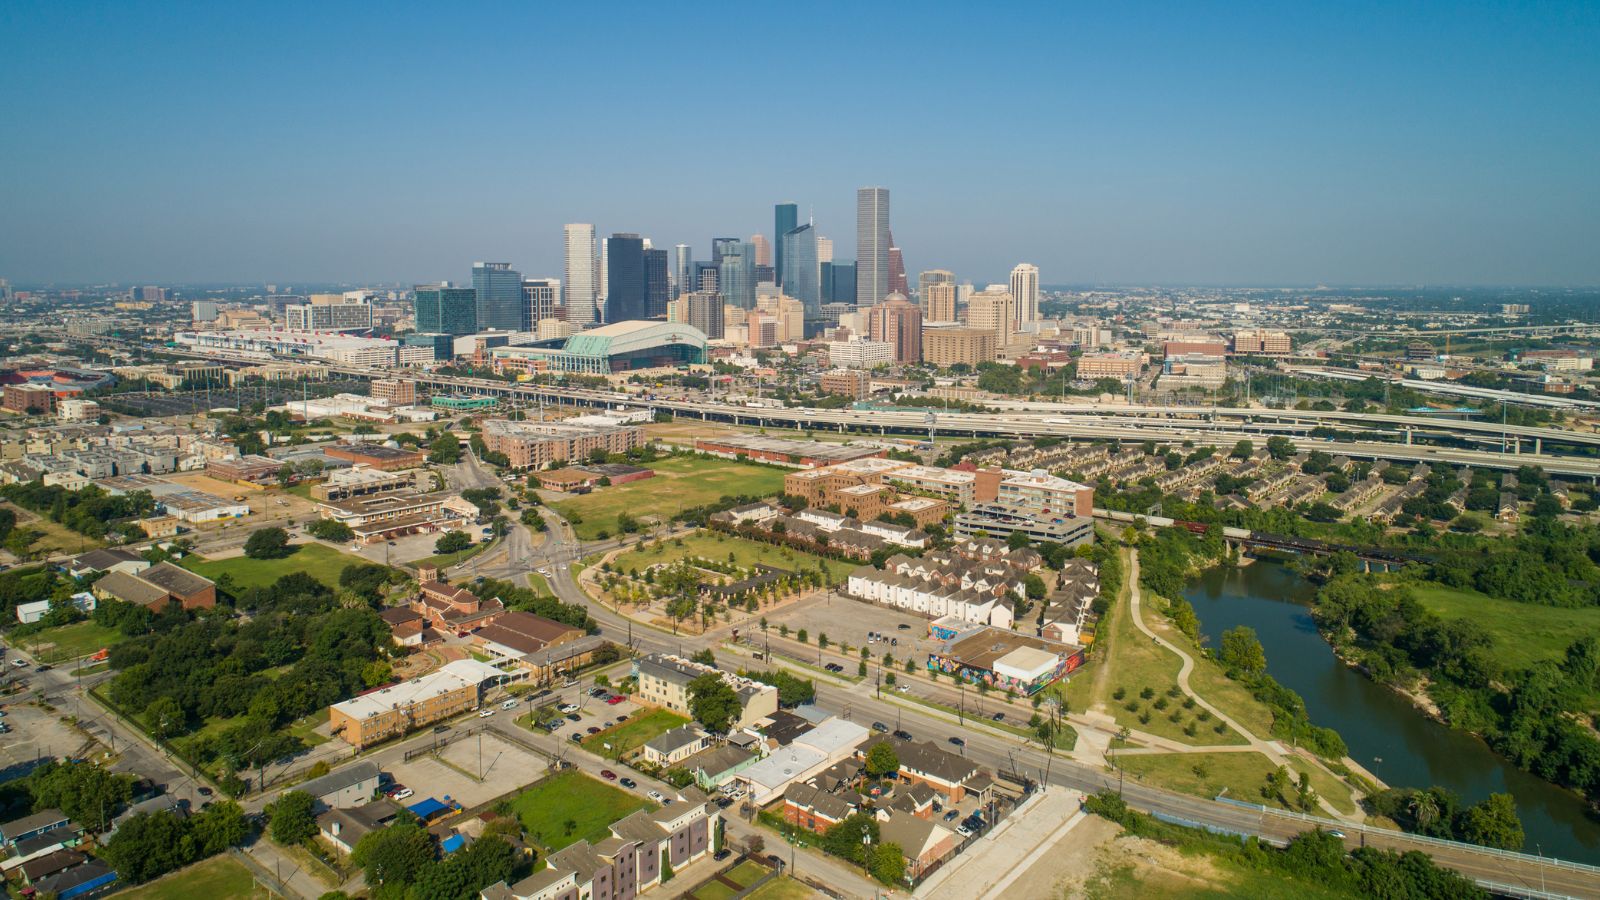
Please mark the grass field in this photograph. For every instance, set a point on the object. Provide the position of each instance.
(446, 560)
(782, 888)
(320, 562)
(624, 738)
(1240, 774)
(746, 873)
(716, 545)
(1201, 876)
(571, 806)
(680, 482)
(71, 641)
(55, 538)
(540, 584)
(1131, 661)
(219, 877)
(1524, 633)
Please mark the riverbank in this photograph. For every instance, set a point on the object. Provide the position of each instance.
(1384, 729)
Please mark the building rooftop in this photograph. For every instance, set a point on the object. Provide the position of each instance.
(176, 581)
(451, 677)
(339, 779)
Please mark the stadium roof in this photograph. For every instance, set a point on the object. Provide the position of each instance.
(625, 337)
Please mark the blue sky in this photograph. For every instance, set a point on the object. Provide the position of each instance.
(1345, 143)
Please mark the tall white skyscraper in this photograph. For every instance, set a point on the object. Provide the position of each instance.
(583, 275)
(683, 271)
(872, 245)
(1025, 290)
(604, 278)
(824, 249)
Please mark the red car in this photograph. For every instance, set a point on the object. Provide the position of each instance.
(614, 699)
(608, 775)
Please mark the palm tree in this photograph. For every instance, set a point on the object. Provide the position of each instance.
(1424, 809)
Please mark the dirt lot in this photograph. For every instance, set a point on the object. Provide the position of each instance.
(36, 732)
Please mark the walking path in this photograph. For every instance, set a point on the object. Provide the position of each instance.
(1271, 749)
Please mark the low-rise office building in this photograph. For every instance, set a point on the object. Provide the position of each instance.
(398, 709)
(664, 681)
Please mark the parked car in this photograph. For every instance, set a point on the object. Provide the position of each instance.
(608, 775)
(400, 793)
(903, 627)
(628, 783)
(904, 688)
(598, 692)
(575, 737)
(879, 727)
(593, 730)
(963, 830)
(952, 815)
(568, 708)
(485, 713)
(614, 699)
(573, 717)
(722, 854)
(655, 795)
(204, 791)
(20, 663)
(998, 717)
(902, 734)
(622, 717)
(509, 704)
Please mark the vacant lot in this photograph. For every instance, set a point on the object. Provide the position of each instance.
(783, 888)
(571, 806)
(679, 483)
(70, 641)
(53, 538)
(633, 734)
(1523, 633)
(728, 884)
(320, 562)
(219, 877)
(716, 545)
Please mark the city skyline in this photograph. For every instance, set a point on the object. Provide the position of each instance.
(1217, 146)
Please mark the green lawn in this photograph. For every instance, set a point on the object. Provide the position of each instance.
(716, 545)
(71, 641)
(680, 482)
(540, 584)
(782, 888)
(746, 873)
(1241, 774)
(1524, 633)
(317, 560)
(1131, 661)
(570, 806)
(219, 878)
(639, 730)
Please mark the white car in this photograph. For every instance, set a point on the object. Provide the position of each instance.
(402, 794)
(904, 688)
(509, 704)
(962, 830)
(568, 707)
(656, 796)
(485, 713)
(20, 663)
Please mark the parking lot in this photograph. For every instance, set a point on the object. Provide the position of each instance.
(845, 620)
(32, 733)
(591, 712)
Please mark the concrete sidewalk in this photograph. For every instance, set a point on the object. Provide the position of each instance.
(988, 866)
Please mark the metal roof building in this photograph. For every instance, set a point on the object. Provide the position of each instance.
(618, 347)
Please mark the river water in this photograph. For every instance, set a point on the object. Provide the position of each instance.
(1384, 732)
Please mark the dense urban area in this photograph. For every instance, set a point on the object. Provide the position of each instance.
(776, 574)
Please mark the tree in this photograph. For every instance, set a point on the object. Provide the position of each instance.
(1492, 823)
(1280, 447)
(1033, 585)
(1242, 651)
(293, 818)
(882, 760)
(331, 530)
(1242, 450)
(394, 855)
(267, 543)
(713, 703)
(218, 827)
(85, 792)
(1016, 540)
(452, 542)
(888, 863)
(165, 717)
(149, 845)
(445, 449)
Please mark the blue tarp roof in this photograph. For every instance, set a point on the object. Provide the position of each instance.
(426, 809)
(452, 843)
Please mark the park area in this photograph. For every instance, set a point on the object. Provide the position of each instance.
(680, 482)
(570, 806)
(622, 739)
(1523, 633)
(63, 642)
(317, 560)
(1239, 775)
(219, 878)
(741, 552)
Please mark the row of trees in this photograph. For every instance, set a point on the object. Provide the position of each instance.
(91, 511)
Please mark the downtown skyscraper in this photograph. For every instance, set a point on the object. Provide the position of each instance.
(872, 245)
(682, 271)
(626, 297)
(785, 218)
(583, 275)
(657, 287)
(1025, 293)
(736, 275)
(799, 255)
(499, 300)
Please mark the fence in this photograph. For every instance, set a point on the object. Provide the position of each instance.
(1333, 824)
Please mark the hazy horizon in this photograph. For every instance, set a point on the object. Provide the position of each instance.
(1360, 146)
